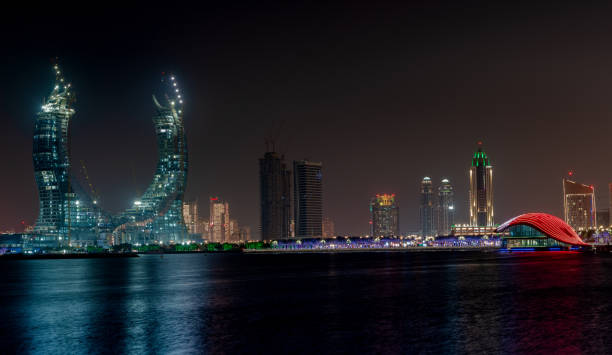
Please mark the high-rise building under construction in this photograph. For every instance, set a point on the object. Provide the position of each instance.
(70, 215)
(66, 212)
(275, 196)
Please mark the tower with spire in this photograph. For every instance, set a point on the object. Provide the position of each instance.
(481, 190)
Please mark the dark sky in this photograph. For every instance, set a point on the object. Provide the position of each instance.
(382, 93)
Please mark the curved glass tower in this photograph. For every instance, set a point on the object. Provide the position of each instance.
(69, 215)
(158, 214)
(66, 213)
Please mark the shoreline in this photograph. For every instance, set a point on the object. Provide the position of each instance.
(67, 256)
(362, 250)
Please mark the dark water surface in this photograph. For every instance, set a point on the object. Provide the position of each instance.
(378, 302)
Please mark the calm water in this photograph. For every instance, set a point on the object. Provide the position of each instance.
(391, 302)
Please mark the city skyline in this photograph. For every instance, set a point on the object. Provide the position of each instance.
(318, 177)
(431, 192)
(384, 78)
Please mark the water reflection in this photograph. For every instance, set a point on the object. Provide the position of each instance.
(354, 302)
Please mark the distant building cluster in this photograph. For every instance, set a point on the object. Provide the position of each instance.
(218, 227)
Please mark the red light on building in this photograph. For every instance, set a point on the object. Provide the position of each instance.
(551, 226)
(214, 198)
(570, 173)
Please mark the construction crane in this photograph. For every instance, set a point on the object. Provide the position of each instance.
(272, 141)
(94, 194)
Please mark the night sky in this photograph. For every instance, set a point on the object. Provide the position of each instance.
(382, 94)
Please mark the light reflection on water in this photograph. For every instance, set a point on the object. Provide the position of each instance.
(394, 302)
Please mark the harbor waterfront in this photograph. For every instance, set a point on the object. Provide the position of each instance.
(307, 178)
(385, 302)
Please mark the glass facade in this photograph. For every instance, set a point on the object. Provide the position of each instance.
(69, 215)
(426, 210)
(523, 236)
(158, 214)
(308, 198)
(66, 213)
(445, 207)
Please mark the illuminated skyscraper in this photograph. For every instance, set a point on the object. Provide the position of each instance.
(426, 209)
(481, 190)
(190, 216)
(219, 230)
(67, 214)
(384, 216)
(52, 160)
(308, 198)
(71, 215)
(579, 205)
(445, 207)
(275, 200)
(158, 213)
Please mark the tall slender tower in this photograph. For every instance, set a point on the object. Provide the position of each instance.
(308, 198)
(275, 200)
(51, 159)
(445, 207)
(481, 190)
(426, 210)
(67, 213)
